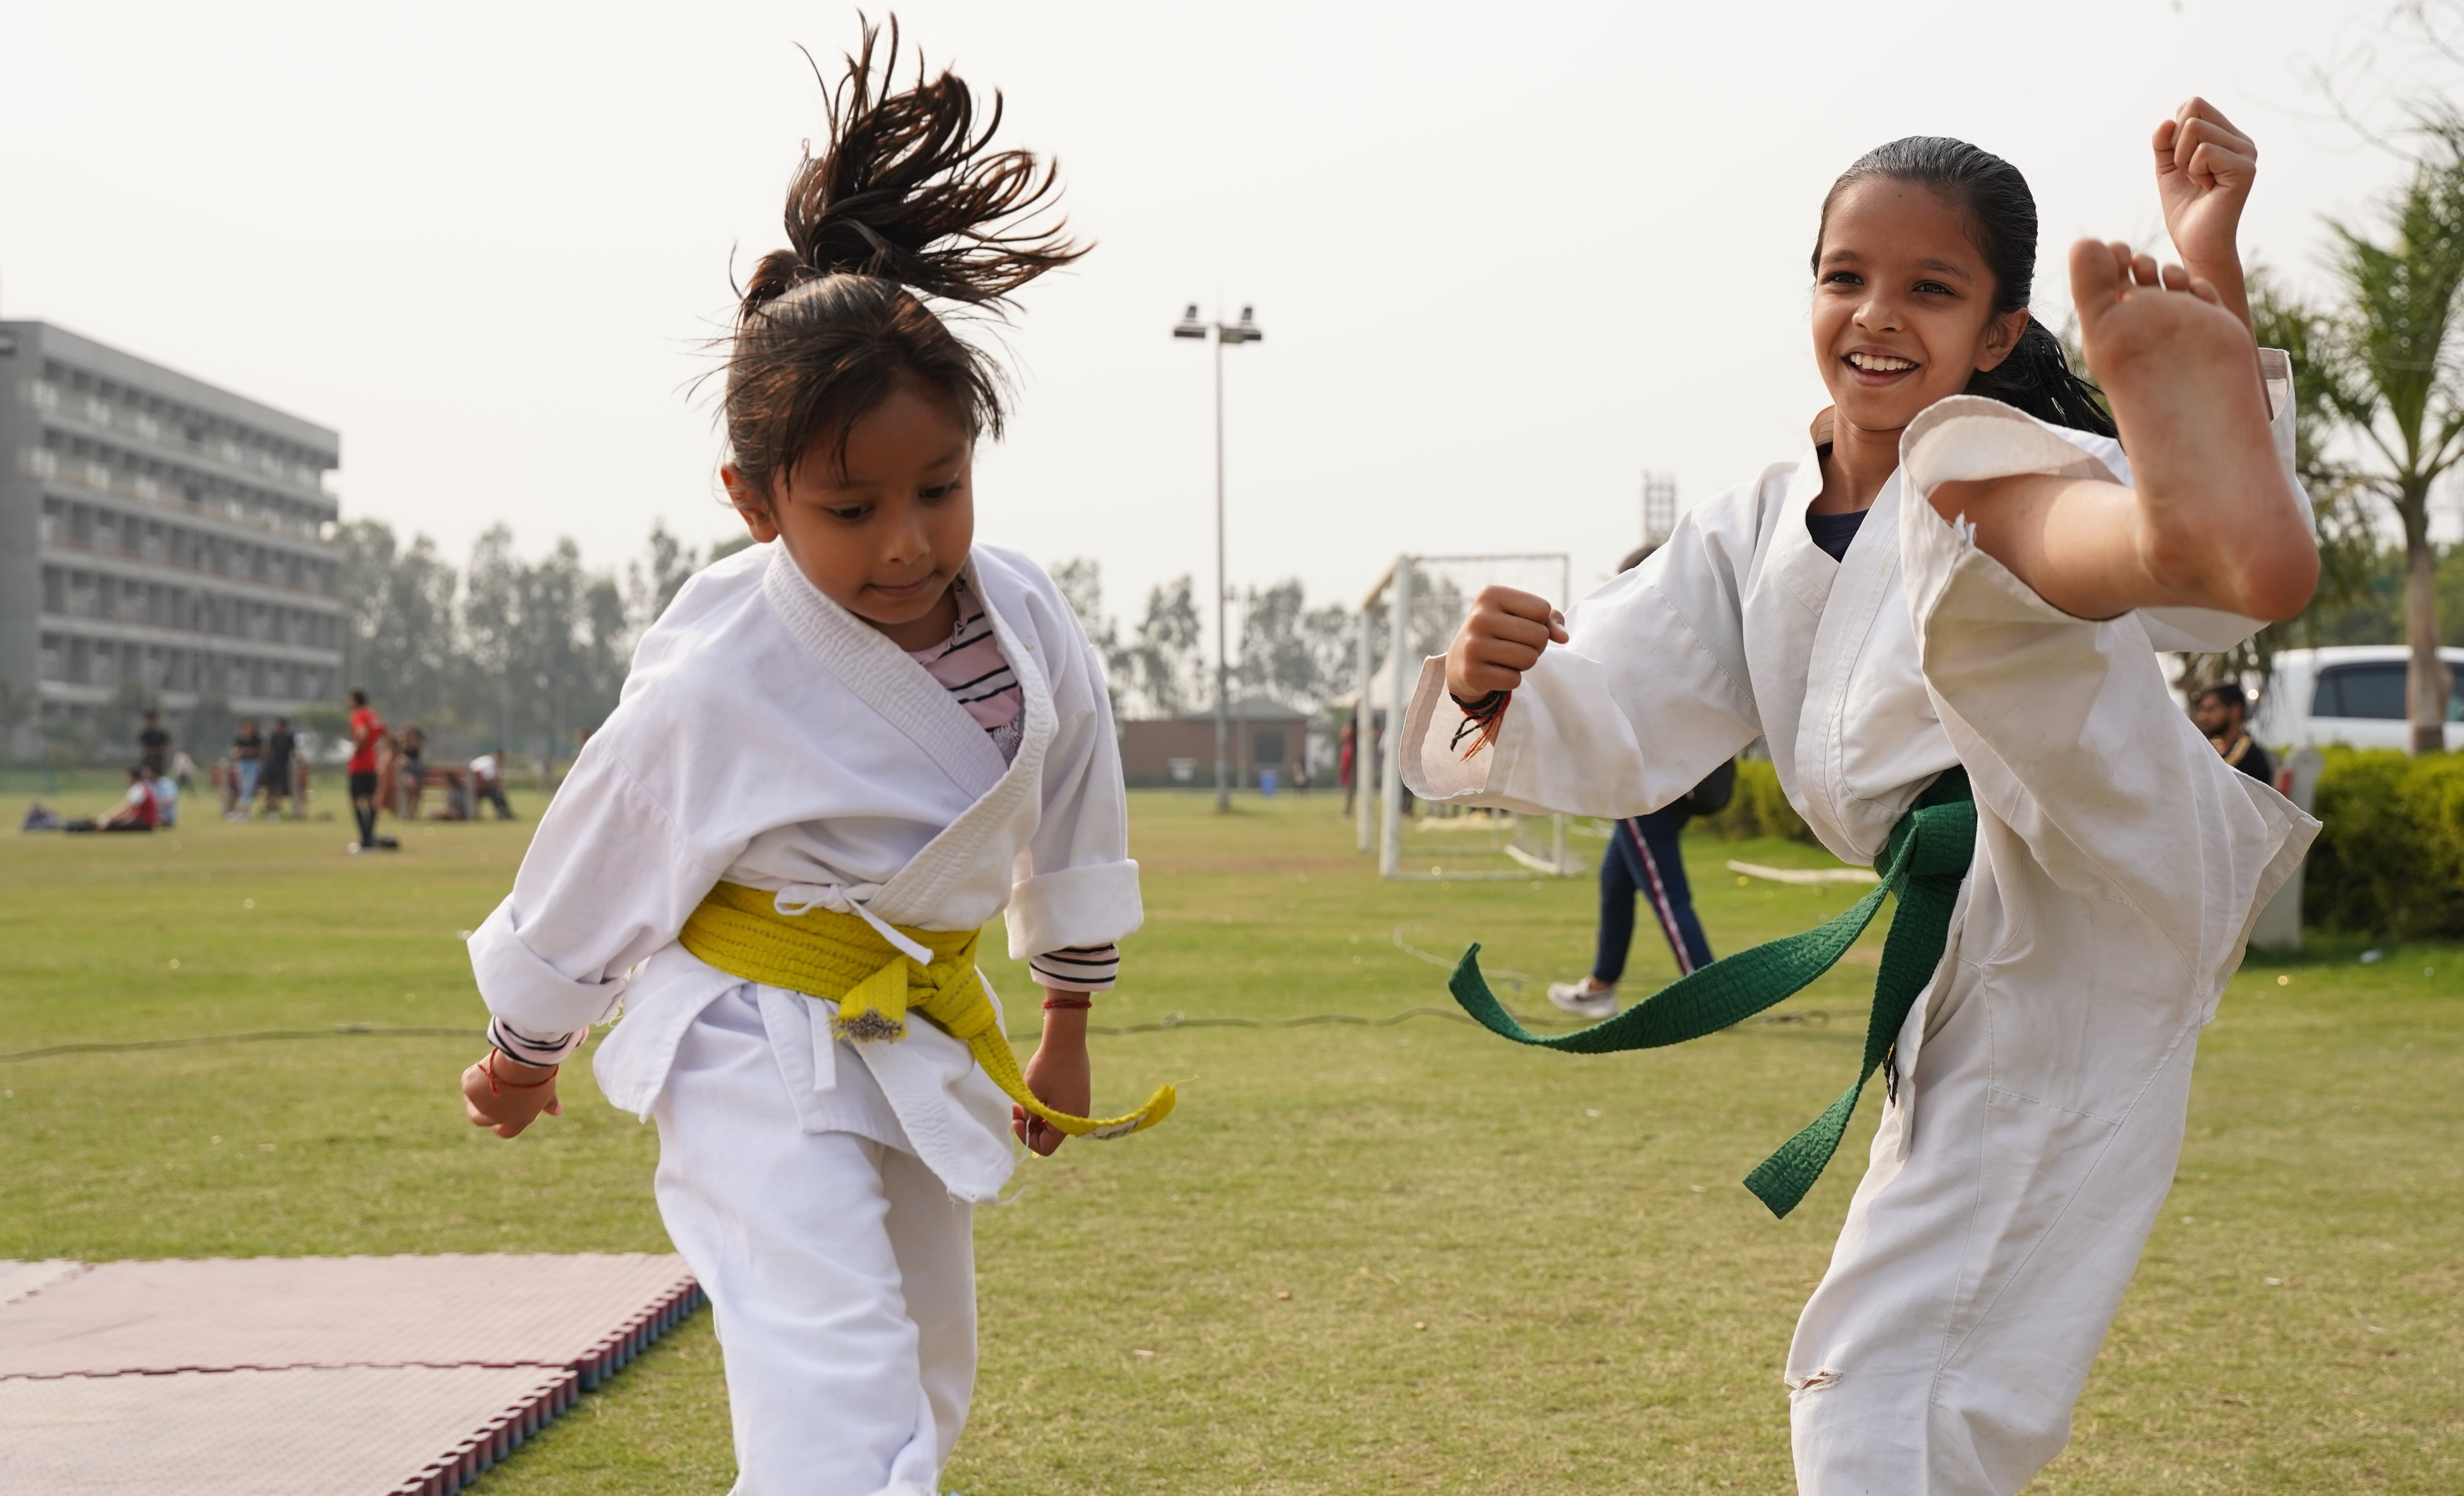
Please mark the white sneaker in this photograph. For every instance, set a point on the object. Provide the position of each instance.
(1583, 1000)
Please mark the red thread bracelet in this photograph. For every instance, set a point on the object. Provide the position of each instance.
(1481, 721)
(488, 1067)
(1067, 1001)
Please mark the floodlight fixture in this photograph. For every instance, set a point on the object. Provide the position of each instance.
(1225, 334)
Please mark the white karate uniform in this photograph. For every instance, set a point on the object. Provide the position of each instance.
(821, 1189)
(2044, 1074)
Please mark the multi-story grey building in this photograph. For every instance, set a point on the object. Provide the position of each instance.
(160, 538)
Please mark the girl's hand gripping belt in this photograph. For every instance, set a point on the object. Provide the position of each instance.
(1060, 1075)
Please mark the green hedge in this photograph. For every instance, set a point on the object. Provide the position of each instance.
(2390, 858)
(1758, 808)
(2388, 861)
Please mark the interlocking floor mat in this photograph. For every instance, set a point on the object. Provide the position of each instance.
(382, 1376)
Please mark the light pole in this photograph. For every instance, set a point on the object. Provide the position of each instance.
(1245, 330)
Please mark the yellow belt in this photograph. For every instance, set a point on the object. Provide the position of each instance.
(824, 953)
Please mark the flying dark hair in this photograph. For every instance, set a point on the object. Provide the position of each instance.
(2002, 224)
(905, 202)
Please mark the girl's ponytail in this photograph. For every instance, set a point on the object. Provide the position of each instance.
(2002, 219)
(906, 202)
(907, 191)
(2038, 378)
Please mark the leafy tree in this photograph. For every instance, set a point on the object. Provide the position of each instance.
(1293, 653)
(398, 620)
(653, 582)
(2396, 382)
(1167, 665)
(492, 622)
(1081, 581)
(2350, 600)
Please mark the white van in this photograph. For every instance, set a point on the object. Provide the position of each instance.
(2351, 695)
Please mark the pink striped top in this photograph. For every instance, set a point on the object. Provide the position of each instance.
(969, 666)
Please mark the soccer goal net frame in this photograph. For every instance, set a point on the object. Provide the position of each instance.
(1424, 602)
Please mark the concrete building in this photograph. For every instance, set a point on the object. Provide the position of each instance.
(160, 538)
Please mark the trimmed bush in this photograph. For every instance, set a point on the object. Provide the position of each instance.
(2390, 858)
(1757, 808)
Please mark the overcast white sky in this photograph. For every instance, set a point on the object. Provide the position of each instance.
(1507, 258)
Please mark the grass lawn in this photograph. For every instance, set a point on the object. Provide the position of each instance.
(1358, 1259)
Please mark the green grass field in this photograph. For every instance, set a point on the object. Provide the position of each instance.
(1358, 1259)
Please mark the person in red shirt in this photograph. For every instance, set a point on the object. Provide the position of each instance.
(140, 811)
(367, 731)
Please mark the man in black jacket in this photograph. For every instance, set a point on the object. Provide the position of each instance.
(2220, 711)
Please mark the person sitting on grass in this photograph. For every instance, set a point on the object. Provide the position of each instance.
(137, 811)
(167, 800)
(488, 783)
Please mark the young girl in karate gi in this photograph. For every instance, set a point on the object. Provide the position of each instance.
(838, 754)
(1962, 569)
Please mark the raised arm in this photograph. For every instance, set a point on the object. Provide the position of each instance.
(2205, 168)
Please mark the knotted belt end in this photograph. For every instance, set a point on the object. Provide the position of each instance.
(874, 1008)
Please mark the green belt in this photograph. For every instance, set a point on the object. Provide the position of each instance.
(1924, 863)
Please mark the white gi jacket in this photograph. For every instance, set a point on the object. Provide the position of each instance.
(2120, 863)
(768, 738)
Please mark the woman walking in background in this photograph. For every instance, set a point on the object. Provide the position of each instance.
(1644, 858)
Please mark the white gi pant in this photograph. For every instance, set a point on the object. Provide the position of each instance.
(840, 1270)
(2011, 1191)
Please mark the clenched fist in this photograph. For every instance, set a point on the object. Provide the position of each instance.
(1502, 639)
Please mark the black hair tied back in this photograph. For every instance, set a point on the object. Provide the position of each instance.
(906, 190)
(906, 202)
(2002, 218)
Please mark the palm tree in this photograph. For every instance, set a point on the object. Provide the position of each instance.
(2396, 380)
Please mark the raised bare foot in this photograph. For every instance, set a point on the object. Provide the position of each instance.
(2219, 522)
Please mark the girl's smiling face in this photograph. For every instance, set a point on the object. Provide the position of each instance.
(1902, 303)
(882, 528)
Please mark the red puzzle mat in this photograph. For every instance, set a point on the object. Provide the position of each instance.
(337, 1376)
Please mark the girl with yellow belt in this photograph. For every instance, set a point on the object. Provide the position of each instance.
(839, 753)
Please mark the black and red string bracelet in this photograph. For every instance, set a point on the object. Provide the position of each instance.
(1481, 721)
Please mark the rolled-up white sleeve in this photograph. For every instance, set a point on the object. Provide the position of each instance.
(1648, 695)
(1075, 885)
(2069, 733)
(608, 881)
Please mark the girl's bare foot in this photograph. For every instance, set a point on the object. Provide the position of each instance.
(2219, 522)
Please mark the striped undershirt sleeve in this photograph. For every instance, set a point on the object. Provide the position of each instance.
(1078, 968)
(520, 1043)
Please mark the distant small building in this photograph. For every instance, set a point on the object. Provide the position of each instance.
(1157, 752)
